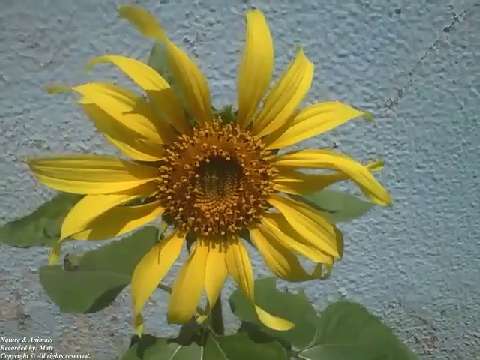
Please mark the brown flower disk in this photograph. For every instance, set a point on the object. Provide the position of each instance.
(216, 181)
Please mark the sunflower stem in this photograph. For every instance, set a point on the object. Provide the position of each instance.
(217, 317)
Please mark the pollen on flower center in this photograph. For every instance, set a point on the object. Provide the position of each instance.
(216, 180)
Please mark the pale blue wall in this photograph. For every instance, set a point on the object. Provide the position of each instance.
(415, 64)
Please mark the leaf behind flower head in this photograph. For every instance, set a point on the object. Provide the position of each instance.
(90, 282)
(337, 206)
(80, 291)
(158, 60)
(42, 226)
(227, 114)
(239, 346)
(149, 347)
(294, 307)
(347, 331)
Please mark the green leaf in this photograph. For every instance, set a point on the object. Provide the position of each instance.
(241, 347)
(338, 206)
(337, 352)
(41, 227)
(158, 61)
(227, 114)
(91, 282)
(291, 306)
(120, 256)
(151, 348)
(349, 330)
(81, 291)
(231, 347)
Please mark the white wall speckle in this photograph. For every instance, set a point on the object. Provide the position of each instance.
(413, 64)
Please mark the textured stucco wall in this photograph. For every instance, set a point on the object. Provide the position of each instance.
(415, 64)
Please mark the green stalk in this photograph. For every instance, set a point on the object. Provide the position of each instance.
(216, 317)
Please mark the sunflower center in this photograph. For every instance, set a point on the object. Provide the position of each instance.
(218, 177)
(216, 181)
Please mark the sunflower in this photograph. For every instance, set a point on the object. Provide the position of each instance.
(221, 183)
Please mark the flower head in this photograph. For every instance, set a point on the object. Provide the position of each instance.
(211, 179)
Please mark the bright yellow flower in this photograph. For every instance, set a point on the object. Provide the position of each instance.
(208, 178)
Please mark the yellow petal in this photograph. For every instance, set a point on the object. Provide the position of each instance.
(138, 324)
(272, 321)
(286, 95)
(55, 253)
(126, 140)
(128, 109)
(256, 67)
(275, 134)
(91, 207)
(161, 95)
(315, 120)
(328, 159)
(91, 174)
(142, 74)
(152, 268)
(143, 20)
(188, 286)
(298, 183)
(120, 220)
(240, 268)
(280, 260)
(192, 83)
(126, 120)
(308, 222)
(294, 182)
(186, 73)
(215, 272)
(275, 226)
